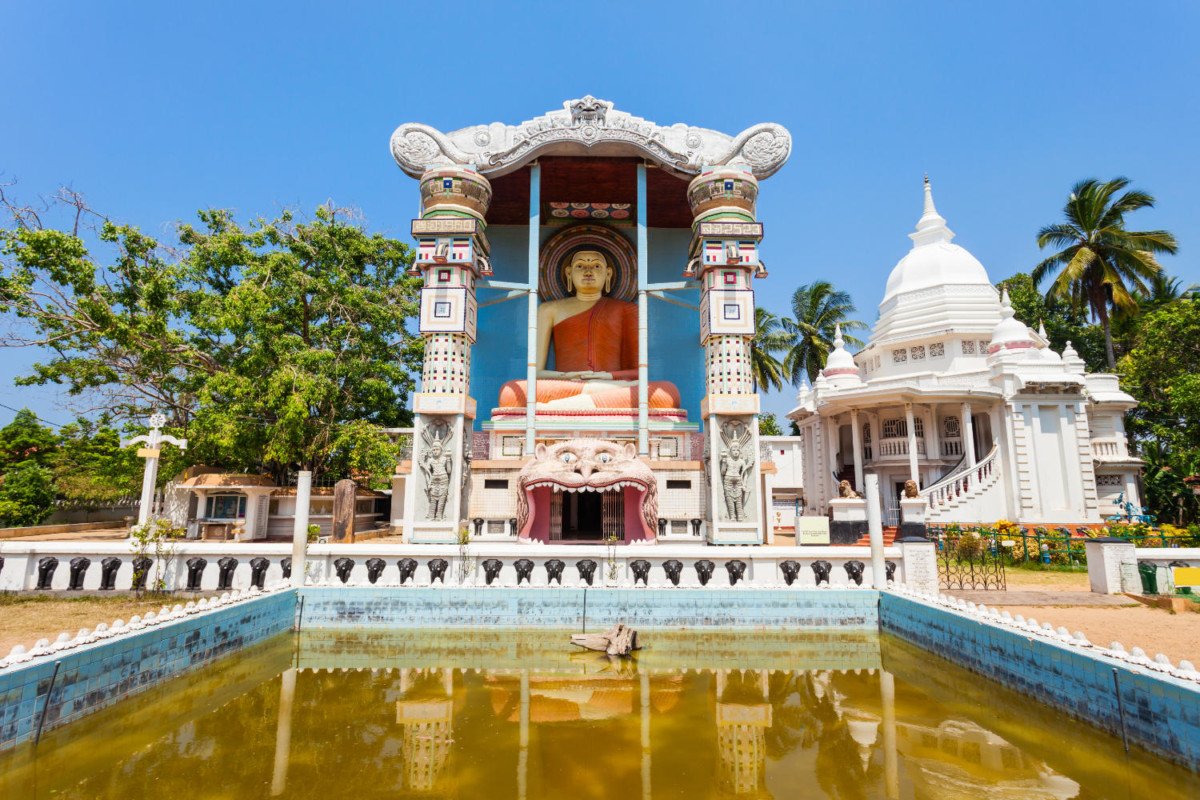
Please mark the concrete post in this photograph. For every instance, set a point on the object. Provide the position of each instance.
(875, 532)
(1105, 555)
(300, 526)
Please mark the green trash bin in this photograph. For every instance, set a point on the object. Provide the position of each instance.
(1149, 575)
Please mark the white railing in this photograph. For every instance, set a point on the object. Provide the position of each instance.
(1105, 449)
(952, 448)
(898, 447)
(962, 482)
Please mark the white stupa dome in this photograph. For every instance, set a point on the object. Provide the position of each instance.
(933, 260)
(1010, 333)
(938, 287)
(840, 368)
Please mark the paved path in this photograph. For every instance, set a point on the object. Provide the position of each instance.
(1029, 597)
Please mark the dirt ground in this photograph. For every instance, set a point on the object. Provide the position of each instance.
(26, 618)
(1132, 624)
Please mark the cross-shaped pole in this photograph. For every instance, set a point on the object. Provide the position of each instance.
(153, 442)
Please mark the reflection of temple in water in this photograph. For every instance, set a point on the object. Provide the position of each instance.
(428, 725)
(742, 718)
(958, 758)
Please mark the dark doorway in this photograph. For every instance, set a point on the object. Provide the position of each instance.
(583, 516)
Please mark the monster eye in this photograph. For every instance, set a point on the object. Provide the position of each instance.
(604, 458)
(568, 458)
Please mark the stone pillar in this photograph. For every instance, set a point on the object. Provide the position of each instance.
(345, 501)
(723, 258)
(856, 440)
(452, 252)
(914, 471)
(968, 433)
(920, 564)
(1105, 555)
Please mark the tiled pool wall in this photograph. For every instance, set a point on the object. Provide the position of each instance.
(565, 608)
(1161, 712)
(96, 675)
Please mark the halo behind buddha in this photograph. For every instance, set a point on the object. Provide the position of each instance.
(563, 245)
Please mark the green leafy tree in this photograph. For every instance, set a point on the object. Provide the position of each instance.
(769, 339)
(1162, 371)
(817, 310)
(92, 470)
(26, 495)
(1100, 264)
(276, 345)
(768, 425)
(26, 439)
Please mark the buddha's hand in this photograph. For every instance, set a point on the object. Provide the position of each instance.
(596, 376)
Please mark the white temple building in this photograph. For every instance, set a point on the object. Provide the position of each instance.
(955, 393)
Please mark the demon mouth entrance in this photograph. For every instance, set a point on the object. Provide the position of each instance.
(582, 516)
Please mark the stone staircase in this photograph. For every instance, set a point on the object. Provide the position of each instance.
(971, 495)
(889, 537)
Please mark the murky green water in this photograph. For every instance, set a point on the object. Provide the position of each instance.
(487, 714)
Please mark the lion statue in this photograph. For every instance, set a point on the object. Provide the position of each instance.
(911, 490)
(846, 491)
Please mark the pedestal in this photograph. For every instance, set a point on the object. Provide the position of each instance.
(849, 520)
(1105, 555)
(912, 516)
(920, 564)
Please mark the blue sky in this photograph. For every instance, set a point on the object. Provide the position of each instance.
(153, 110)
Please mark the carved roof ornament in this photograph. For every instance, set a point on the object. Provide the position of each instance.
(589, 126)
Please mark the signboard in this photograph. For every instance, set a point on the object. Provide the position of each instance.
(1187, 576)
(812, 530)
(149, 452)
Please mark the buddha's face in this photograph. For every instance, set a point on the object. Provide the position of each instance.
(588, 272)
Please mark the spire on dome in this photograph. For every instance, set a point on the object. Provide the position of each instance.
(838, 341)
(931, 227)
(1006, 309)
(1042, 329)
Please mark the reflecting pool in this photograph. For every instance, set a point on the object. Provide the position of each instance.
(521, 714)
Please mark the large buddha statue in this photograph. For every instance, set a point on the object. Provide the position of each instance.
(595, 343)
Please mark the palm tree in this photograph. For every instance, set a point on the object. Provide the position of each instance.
(769, 339)
(1101, 262)
(818, 308)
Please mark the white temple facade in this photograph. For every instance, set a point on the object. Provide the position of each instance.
(953, 392)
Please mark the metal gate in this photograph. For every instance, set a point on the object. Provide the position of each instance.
(971, 562)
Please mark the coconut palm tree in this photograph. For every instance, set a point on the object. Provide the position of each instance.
(769, 339)
(817, 310)
(1101, 263)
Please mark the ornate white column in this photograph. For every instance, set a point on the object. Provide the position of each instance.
(452, 251)
(856, 438)
(724, 257)
(934, 433)
(913, 470)
(968, 432)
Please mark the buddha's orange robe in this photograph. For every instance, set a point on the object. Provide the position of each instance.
(602, 339)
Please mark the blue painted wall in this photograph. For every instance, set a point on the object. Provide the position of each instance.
(341, 607)
(97, 675)
(1161, 713)
(675, 352)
